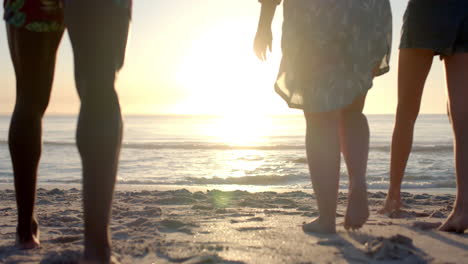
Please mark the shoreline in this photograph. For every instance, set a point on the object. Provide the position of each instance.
(234, 227)
(248, 188)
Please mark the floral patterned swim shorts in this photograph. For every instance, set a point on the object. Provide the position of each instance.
(40, 15)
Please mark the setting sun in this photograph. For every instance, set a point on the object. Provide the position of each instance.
(224, 77)
(240, 129)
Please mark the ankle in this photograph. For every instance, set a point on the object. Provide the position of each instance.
(101, 254)
(97, 248)
(460, 205)
(357, 187)
(394, 195)
(327, 220)
(27, 231)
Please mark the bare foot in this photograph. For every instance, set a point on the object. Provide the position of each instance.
(29, 241)
(456, 222)
(97, 255)
(390, 206)
(111, 261)
(317, 226)
(357, 211)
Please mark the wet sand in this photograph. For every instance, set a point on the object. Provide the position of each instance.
(181, 226)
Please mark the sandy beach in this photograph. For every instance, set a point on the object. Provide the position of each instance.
(180, 226)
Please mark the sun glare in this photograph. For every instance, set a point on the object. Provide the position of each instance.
(241, 130)
(223, 76)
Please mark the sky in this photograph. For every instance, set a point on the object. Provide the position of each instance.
(195, 57)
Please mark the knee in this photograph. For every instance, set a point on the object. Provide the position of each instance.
(99, 102)
(459, 115)
(326, 119)
(30, 105)
(351, 114)
(407, 113)
(32, 97)
(95, 86)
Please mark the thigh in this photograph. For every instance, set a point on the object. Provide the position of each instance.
(33, 55)
(322, 120)
(413, 67)
(356, 106)
(457, 83)
(98, 32)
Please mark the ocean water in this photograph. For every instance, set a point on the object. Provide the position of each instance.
(265, 151)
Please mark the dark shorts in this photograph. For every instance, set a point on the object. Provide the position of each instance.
(439, 25)
(41, 15)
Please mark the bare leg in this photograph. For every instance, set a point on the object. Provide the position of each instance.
(33, 55)
(354, 137)
(413, 68)
(98, 32)
(457, 82)
(323, 155)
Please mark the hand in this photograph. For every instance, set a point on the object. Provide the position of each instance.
(263, 42)
(376, 70)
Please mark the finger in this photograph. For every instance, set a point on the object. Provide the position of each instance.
(258, 53)
(258, 56)
(256, 49)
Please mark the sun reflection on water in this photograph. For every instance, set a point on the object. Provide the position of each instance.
(241, 130)
(239, 163)
(243, 134)
(247, 188)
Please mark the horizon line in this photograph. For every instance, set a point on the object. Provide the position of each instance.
(186, 114)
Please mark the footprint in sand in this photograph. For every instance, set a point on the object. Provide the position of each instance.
(121, 236)
(203, 207)
(71, 212)
(398, 214)
(397, 247)
(241, 215)
(169, 225)
(44, 202)
(69, 219)
(282, 212)
(71, 231)
(65, 239)
(214, 259)
(427, 225)
(137, 223)
(255, 219)
(437, 214)
(148, 211)
(247, 229)
(67, 256)
(332, 243)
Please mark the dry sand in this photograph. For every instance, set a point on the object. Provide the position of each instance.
(235, 227)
